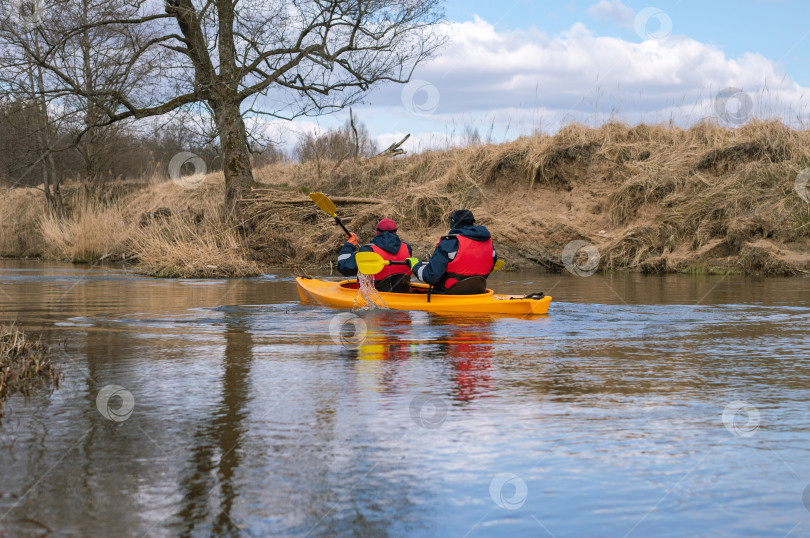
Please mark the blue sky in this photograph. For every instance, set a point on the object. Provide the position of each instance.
(534, 65)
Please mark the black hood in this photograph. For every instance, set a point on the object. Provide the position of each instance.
(461, 218)
(476, 233)
(388, 241)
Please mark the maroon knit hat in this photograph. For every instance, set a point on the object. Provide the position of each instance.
(386, 225)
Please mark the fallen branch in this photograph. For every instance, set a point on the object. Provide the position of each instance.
(394, 149)
(305, 201)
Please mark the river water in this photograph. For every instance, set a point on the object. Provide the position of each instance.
(641, 405)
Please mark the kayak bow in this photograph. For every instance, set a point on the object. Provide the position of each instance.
(342, 295)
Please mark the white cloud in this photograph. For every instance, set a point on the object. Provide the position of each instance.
(612, 11)
(579, 75)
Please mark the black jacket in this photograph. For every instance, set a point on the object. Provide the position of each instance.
(433, 270)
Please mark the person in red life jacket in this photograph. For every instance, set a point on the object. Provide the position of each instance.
(387, 244)
(463, 259)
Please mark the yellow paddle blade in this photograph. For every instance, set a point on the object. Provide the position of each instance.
(498, 265)
(370, 263)
(324, 203)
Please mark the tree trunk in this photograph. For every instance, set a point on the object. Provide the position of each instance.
(46, 186)
(91, 114)
(42, 138)
(56, 179)
(356, 138)
(235, 155)
(43, 130)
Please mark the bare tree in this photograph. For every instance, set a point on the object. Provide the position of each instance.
(238, 57)
(92, 60)
(32, 126)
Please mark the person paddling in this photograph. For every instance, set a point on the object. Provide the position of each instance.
(387, 244)
(463, 259)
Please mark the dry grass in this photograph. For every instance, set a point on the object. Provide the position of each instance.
(196, 240)
(651, 198)
(24, 364)
(169, 229)
(187, 245)
(20, 210)
(90, 233)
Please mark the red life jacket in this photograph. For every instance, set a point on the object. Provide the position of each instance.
(474, 258)
(389, 270)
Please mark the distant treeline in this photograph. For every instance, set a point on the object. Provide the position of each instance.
(118, 152)
(122, 152)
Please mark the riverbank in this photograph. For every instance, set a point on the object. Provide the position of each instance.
(646, 198)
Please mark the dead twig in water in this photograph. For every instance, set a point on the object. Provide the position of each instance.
(24, 364)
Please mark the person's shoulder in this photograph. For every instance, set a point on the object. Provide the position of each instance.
(448, 241)
(477, 232)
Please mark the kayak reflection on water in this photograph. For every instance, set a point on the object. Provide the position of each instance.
(469, 347)
(457, 353)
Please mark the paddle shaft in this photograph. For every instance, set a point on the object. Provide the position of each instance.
(394, 262)
(340, 222)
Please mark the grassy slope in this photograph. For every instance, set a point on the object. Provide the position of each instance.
(649, 198)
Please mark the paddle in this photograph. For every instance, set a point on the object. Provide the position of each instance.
(328, 206)
(371, 263)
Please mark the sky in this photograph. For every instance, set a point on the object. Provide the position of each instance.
(528, 66)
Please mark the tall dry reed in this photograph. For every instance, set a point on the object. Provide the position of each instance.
(192, 245)
(90, 233)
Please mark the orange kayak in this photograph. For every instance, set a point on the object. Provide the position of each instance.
(343, 294)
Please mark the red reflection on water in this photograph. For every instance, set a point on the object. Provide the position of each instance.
(468, 345)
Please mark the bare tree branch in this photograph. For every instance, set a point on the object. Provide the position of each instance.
(289, 58)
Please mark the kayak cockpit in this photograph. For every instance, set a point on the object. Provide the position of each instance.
(417, 288)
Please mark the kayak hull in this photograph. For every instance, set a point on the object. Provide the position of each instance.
(335, 294)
